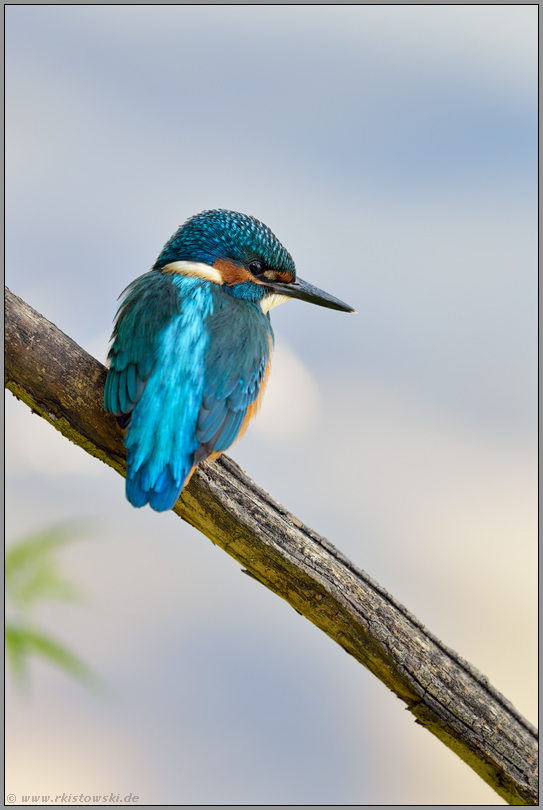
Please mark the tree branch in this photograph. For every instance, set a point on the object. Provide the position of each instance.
(58, 380)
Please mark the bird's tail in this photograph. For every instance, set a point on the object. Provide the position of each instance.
(161, 495)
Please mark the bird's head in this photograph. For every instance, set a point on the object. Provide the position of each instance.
(241, 254)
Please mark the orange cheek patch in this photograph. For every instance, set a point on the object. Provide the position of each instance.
(285, 277)
(232, 273)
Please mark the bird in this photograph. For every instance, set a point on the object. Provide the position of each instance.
(191, 348)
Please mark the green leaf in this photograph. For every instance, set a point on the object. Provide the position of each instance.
(23, 641)
(32, 576)
(31, 570)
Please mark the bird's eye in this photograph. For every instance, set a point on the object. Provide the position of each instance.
(256, 268)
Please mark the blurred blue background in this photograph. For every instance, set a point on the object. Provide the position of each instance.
(392, 149)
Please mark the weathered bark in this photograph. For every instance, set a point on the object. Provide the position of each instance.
(63, 384)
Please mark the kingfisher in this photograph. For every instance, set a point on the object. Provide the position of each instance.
(191, 348)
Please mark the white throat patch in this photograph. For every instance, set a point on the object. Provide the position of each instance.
(273, 300)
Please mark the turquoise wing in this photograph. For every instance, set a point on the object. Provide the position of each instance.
(186, 363)
(150, 302)
(241, 339)
(156, 379)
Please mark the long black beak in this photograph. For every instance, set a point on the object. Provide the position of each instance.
(307, 292)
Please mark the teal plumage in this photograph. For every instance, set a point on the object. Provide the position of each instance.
(191, 348)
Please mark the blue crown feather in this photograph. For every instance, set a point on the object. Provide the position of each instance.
(222, 234)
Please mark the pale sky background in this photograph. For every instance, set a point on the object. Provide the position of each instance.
(392, 149)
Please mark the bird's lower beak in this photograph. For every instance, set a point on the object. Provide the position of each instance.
(307, 292)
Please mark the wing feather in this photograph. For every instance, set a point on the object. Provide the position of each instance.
(241, 339)
(149, 304)
(195, 359)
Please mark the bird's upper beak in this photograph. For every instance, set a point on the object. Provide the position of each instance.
(307, 292)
